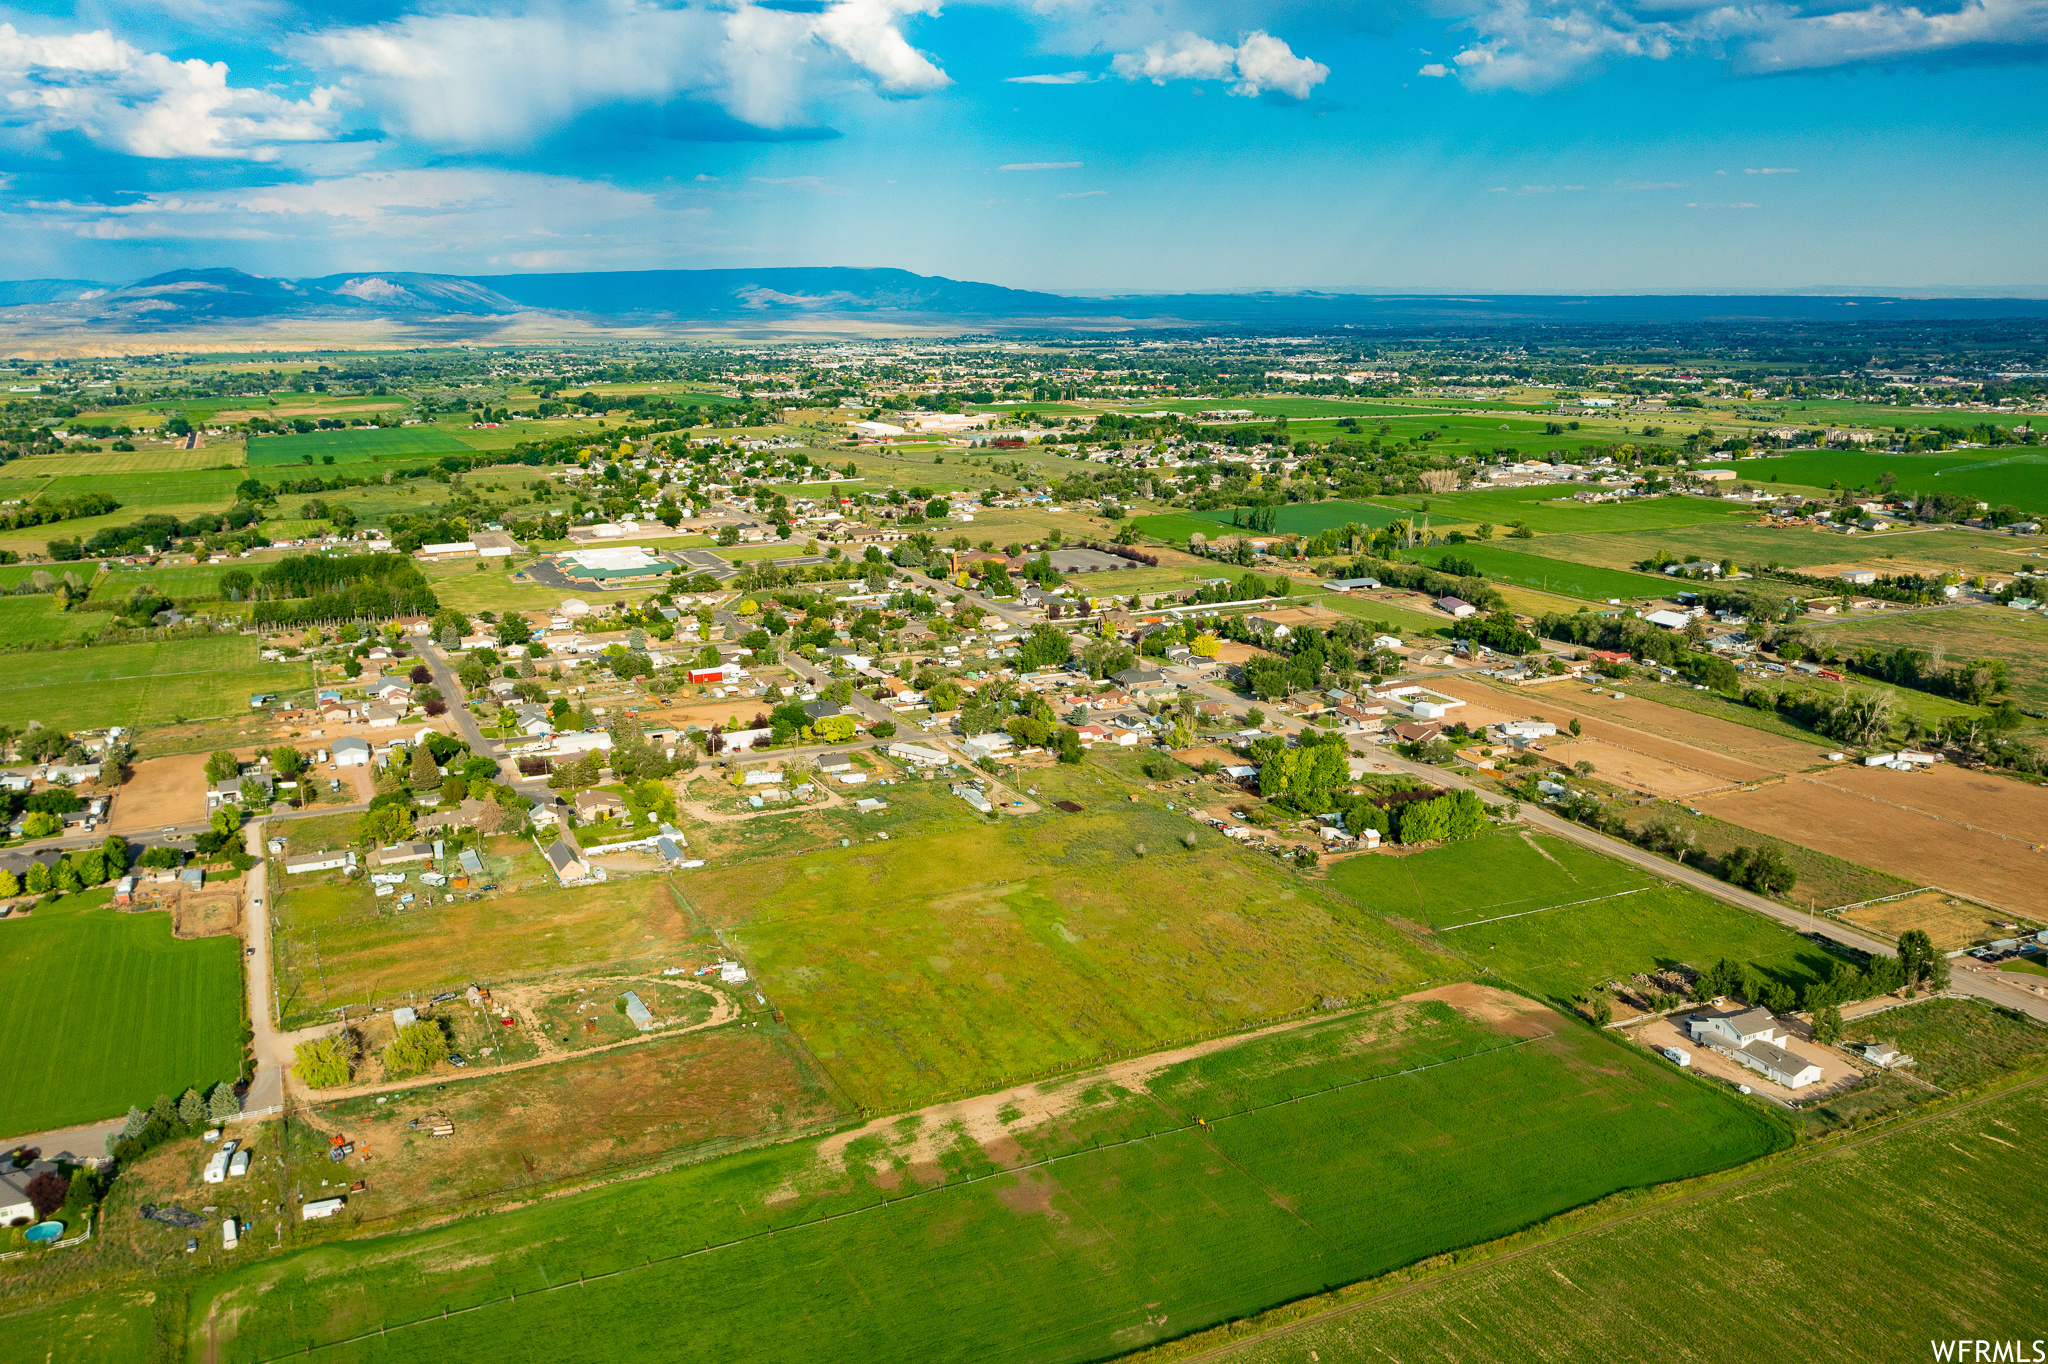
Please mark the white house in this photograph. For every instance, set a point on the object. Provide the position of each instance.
(1751, 1038)
(1457, 608)
(14, 1200)
(351, 752)
(1528, 729)
(1670, 620)
(319, 861)
(919, 755)
(1729, 1031)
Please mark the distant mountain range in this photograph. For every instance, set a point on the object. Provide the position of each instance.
(184, 299)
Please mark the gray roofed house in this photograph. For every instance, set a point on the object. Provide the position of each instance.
(350, 751)
(821, 709)
(567, 860)
(1137, 677)
(1778, 1065)
(402, 852)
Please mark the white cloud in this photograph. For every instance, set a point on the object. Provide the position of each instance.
(1040, 165)
(1260, 63)
(125, 99)
(1086, 194)
(1055, 78)
(377, 219)
(1771, 170)
(1535, 44)
(1434, 69)
(498, 80)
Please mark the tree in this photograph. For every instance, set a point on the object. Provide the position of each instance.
(67, 877)
(222, 766)
(390, 822)
(1575, 726)
(115, 850)
(191, 1108)
(420, 675)
(325, 1063)
(38, 878)
(417, 1048)
(10, 884)
(425, 774)
(41, 824)
(1047, 646)
(1827, 1025)
(47, 1192)
(1204, 645)
(136, 1121)
(883, 729)
(223, 1105)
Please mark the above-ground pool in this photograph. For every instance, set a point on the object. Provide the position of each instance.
(43, 1231)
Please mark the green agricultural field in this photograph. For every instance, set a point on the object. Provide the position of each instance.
(459, 585)
(1550, 575)
(33, 620)
(93, 463)
(141, 684)
(1923, 1206)
(193, 582)
(349, 447)
(955, 961)
(104, 1009)
(2018, 637)
(1552, 511)
(1556, 920)
(1306, 518)
(1088, 1250)
(2019, 476)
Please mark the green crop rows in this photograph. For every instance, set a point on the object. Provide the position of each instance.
(104, 1009)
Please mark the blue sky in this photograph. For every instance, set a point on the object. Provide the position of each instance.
(1099, 145)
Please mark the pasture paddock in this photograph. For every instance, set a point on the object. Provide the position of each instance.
(1304, 1159)
(352, 446)
(1952, 923)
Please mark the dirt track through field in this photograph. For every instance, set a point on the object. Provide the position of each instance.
(1945, 828)
(983, 1118)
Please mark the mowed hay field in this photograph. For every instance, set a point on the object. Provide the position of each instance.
(1945, 1212)
(1551, 510)
(32, 620)
(1589, 583)
(964, 960)
(1557, 920)
(1326, 1158)
(1976, 834)
(141, 684)
(104, 1009)
(338, 944)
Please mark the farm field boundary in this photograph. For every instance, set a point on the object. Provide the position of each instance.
(349, 447)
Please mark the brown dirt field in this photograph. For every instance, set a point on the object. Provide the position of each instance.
(209, 912)
(1635, 770)
(161, 791)
(1680, 738)
(1985, 800)
(1953, 924)
(1513, 1014)
(1231, 651)
(1856, 823)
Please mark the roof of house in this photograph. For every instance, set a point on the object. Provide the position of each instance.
(351, 744)
(596, 800)
(1778, 1059)
(1751, 1021)
(562, 855)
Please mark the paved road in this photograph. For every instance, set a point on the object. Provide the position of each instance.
(1984, 985)
(68, 1143)
(465, 719)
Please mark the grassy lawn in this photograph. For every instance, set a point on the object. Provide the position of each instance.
(1632, 922)
(105, 1008)
(462, 587)
(188, 581)
(349, 447)
(1099, 1252)
(1925, 1208)
(338, 944)
(142, 684)
(958, 960)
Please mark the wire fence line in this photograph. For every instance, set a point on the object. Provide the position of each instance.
(584, 1280)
